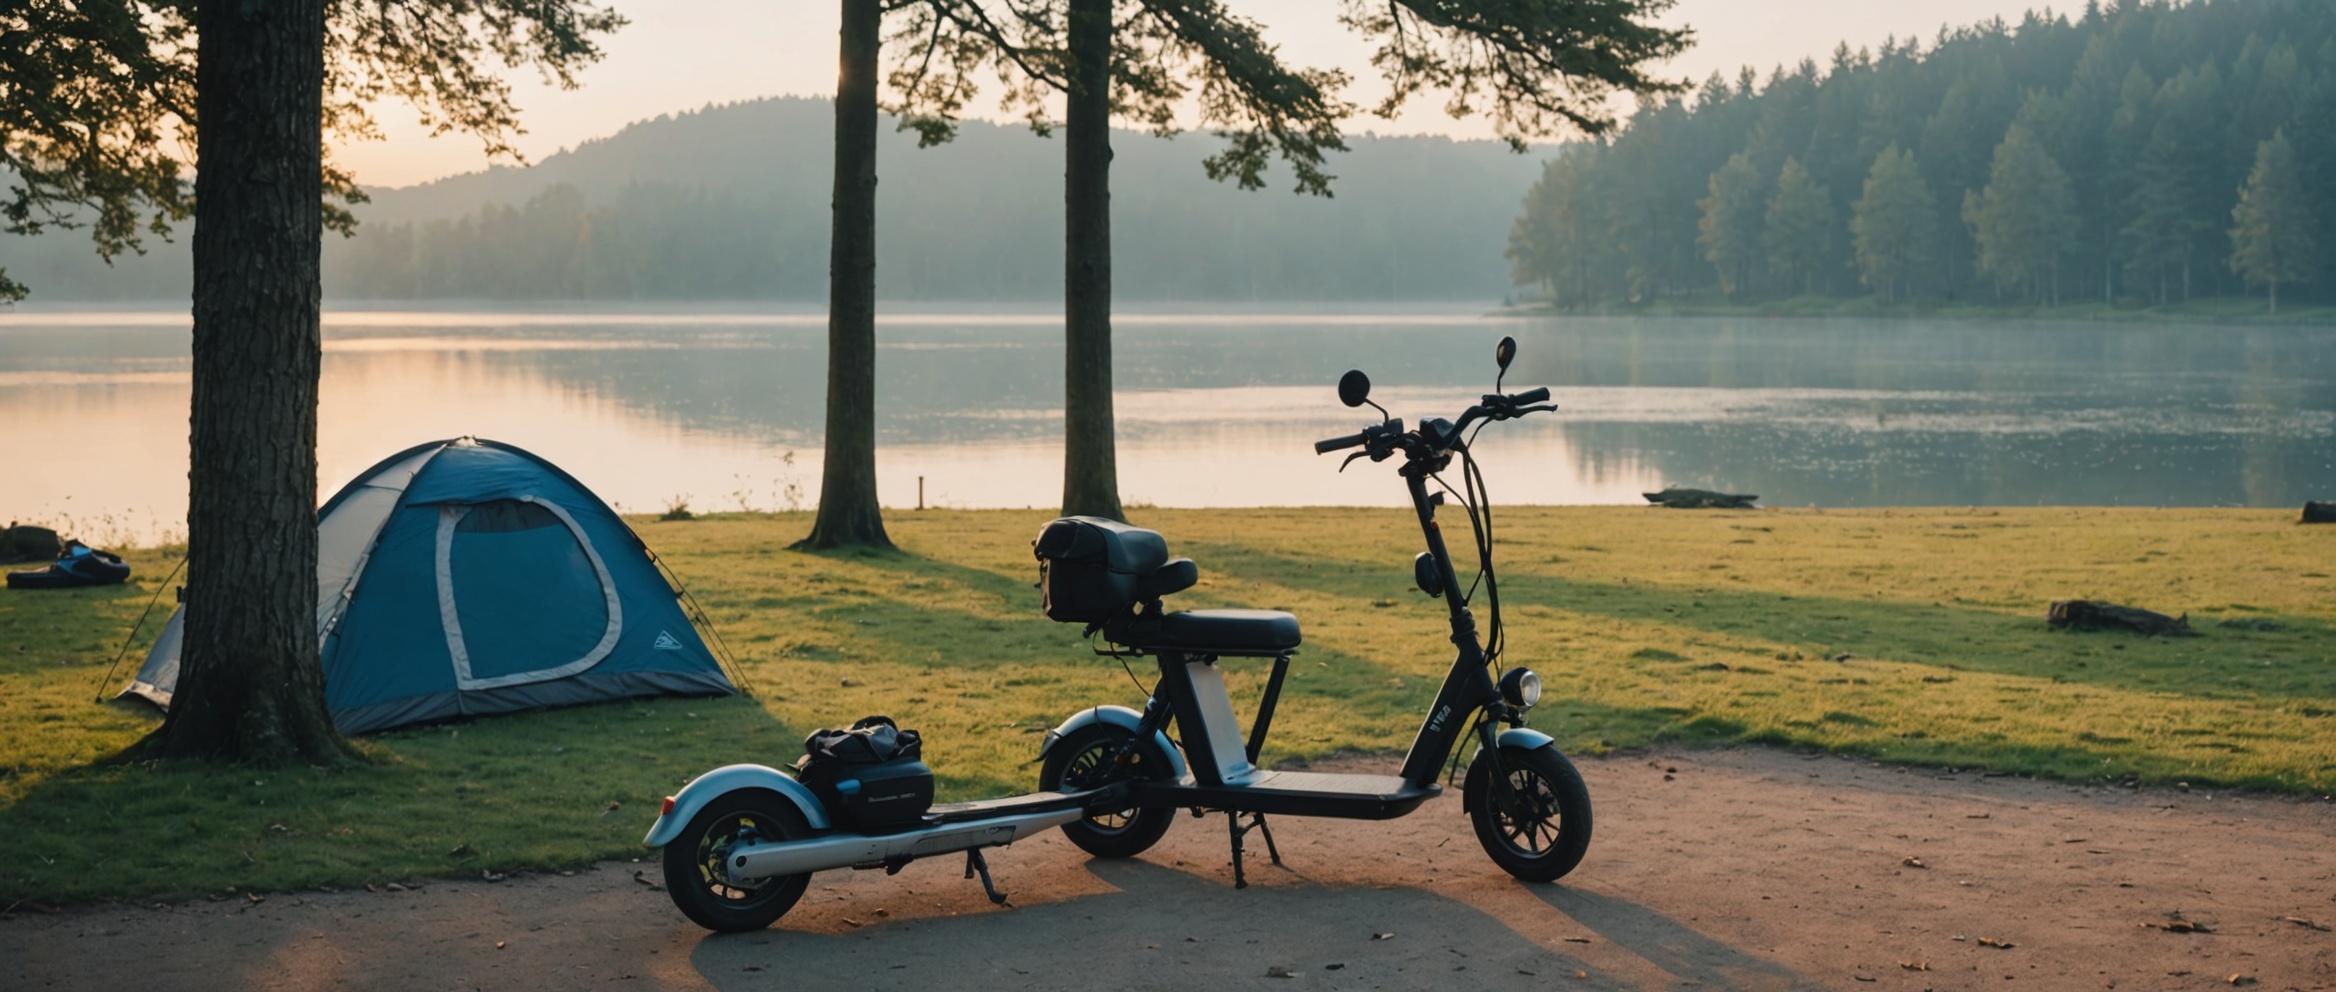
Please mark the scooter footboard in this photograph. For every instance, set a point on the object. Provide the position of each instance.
(847, 850)
(705, 788)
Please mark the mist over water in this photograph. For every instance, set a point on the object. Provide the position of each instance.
(722, 408)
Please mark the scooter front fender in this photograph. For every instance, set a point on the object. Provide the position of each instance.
(731, 778)
(1117, 716)
(1524, 737)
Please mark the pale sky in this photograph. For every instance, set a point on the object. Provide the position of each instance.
(683, 54)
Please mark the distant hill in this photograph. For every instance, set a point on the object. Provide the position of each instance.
(731, 202)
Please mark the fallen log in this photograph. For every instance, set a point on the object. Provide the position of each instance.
(1680, 498)
(2084, 614)
(2319, 513)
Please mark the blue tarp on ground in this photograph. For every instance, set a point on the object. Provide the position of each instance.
(469, 577)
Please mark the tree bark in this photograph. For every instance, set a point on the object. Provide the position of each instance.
(848, 512)
(1090, 464)
(250, 688)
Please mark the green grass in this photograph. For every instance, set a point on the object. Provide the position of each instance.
(1647, 626)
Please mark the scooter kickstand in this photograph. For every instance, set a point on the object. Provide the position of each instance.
(975, 863)
(1238, 830)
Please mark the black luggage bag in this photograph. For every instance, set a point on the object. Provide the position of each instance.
(871, 774)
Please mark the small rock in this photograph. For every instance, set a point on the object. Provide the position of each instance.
(1277, 971)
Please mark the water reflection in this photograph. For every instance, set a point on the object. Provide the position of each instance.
(723, 409)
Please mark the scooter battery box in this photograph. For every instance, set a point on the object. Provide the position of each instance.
(893, 794)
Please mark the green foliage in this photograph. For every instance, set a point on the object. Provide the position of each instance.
(1800, 227)
(2025, 221)
(2272, 234)
(87, 92)
(1731, 224)
(1168, 56)
(2151, 110)
(1893, 223)
(1542, 66)
(1646, 626)
(94, 94)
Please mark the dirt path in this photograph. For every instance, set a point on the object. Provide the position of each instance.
(1741, 869)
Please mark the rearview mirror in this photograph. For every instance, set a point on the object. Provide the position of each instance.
(1504, 353)
(1354, 388)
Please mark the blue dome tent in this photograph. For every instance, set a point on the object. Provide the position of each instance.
(469, 577)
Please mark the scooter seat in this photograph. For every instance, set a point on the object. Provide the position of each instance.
(1264, 632)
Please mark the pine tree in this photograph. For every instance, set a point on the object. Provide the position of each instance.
(1558, 241)
(1800, 227)
(1729, 231)
(2272, 234)
(1893, 223)
(2025, 220)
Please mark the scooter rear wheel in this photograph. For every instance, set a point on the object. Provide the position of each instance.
(1096, 756)
(1547, 834)
(694, 863)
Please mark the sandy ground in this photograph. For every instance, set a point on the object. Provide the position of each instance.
(1738, 869)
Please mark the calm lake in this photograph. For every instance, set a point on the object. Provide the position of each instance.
(723, 408)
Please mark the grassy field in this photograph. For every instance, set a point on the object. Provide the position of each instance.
(1907, 635)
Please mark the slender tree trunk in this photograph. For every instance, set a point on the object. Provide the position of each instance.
(1090, 466)
(848, 513)
(250, 689)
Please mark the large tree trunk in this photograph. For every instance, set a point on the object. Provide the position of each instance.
(1090, 465)
(848, 514)
(250, 689)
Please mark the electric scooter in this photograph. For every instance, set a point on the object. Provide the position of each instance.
(740, 842)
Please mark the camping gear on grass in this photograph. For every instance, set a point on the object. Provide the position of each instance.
(469, 577)
(79, 565)
(871, 773)
(25, 542)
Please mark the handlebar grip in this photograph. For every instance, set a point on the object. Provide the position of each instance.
(1328, 445)
(1538, 394)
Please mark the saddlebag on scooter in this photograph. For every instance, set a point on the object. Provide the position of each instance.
(870, 774)
(1091, 569)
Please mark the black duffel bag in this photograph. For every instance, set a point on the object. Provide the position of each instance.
(871, 774)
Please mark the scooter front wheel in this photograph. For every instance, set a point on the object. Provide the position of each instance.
(696, 875)
(1091, 758)
(1548, 830)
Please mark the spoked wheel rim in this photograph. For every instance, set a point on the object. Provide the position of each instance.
(1093, 768)
(714, 850)
(1533, 829)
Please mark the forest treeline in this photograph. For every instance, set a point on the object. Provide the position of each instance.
(731, 203)
(2142, 152)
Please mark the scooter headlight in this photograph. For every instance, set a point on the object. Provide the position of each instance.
(1521, 688)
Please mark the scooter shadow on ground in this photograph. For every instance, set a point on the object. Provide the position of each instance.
(1163, 929)
(1674, 947)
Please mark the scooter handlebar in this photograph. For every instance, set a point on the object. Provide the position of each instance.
(1328, 445)
(1538, 394)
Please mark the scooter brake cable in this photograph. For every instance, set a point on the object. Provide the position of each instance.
(1113, 650)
